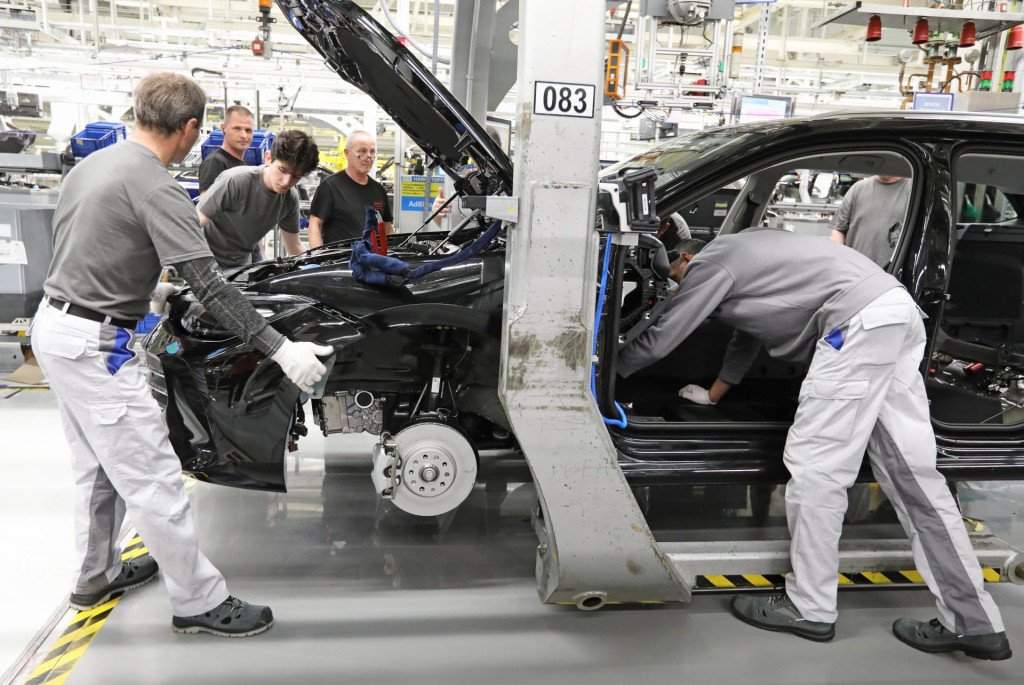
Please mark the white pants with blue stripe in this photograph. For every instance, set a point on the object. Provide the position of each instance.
(122, 461)
(869, 394)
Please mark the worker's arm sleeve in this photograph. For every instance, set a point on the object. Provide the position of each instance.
(322, 204)
(219, 198)
(704, 285)
(739, 356)
(169, 219)
(290, 221)
(841, 219)
(209, 170)
(228, 305)
(385, 213)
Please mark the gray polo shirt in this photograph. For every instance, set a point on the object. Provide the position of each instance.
(241, 211)
(776, 288)
(119, 217)
(872, 216)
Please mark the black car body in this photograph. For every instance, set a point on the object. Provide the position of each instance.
(429, 350)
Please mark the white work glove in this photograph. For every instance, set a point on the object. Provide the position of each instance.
(158, 300)
(696, 394)
(299, 362)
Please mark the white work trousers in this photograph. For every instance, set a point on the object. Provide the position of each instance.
(869, 393)
(121, 459)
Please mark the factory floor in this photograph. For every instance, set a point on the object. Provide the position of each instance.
(363, 593)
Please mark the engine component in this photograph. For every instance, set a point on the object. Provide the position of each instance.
(427, 469)
(351, 412)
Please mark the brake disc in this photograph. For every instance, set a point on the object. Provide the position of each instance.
(439, 468)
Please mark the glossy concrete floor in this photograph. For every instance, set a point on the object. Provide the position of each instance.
(363, 593)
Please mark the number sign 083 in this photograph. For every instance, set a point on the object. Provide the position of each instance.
(563, 99)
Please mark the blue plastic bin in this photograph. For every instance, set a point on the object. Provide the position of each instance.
(261, 143)
(97, 135)
(214, 141)
(109, 126)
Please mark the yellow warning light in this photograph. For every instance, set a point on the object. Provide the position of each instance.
(616, 70)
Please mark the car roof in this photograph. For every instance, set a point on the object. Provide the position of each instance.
(915, 115)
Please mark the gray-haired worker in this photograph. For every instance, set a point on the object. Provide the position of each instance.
(338, 209)
(120, 217)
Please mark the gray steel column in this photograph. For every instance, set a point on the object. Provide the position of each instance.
(595, 544)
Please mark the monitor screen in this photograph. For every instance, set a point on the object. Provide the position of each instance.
(753, 108)
(933, 102)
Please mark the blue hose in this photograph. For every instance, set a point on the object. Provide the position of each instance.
(621, 421)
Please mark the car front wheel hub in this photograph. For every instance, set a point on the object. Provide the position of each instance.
(439, 468)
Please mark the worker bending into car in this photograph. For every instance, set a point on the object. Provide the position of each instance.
(245, 203)
(807, 298)
(120, 217)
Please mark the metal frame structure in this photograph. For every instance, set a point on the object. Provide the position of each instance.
(595, 545)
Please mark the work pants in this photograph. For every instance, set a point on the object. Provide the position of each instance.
(121, 459)
(864, 390)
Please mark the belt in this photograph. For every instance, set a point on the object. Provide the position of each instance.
(90, 314)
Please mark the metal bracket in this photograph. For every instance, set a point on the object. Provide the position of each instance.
(501, 207)
(385, 467)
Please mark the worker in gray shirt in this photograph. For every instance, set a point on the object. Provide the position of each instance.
(119, 218)
(871, 217)
(807, 298)
(245, 203)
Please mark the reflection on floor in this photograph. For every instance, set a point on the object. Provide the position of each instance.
(364, 593)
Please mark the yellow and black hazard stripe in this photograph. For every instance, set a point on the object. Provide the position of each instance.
(72, 643)
(749, 581)
(710, 583)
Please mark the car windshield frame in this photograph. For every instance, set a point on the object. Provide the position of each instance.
(676, 157)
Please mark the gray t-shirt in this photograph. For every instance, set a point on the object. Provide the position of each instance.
(780, 289)
(241, 211)
(872, 216)
(119, 217)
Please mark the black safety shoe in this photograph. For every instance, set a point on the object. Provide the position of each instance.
(933, 637)
(231, 618)
(778, 613)
(134, 572)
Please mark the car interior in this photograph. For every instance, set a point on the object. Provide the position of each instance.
(977, 365)
(768, 394)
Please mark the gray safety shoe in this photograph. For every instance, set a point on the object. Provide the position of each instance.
(231, 618)
(134, 572)
(778, 613)
(933, 637)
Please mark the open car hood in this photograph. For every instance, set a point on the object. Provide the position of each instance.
(366, 55)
